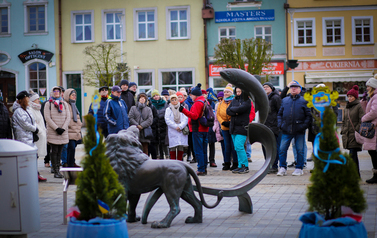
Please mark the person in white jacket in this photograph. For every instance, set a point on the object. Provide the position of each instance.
(176, 122)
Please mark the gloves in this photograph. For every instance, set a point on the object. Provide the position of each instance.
(181, 108)
(60, 130)
(226, 123)
(365, 95)
(36, 131)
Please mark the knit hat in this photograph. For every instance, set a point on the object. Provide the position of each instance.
(228, 88)
(183, 91)
(33, 96)
(22, 95)
(123, 82)
(165, 92)
(197, 91)
(354, 91)
(295, 84)
(269, 85)
(204, 91)
(173, 96)
(372, 82)
(142, 95)
(220, 95)
(179, 93)
(132, 84)
(155, 92)
(116, 89)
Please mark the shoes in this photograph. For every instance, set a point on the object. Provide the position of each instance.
(234, 166)
(212, 165)
(273, 171)
(292, 165)
(282, 171)
(47, 165)
(235, 171)
(249, 160)
(193, 161)
(201, 173)
(297, 172)
(41, 178)
(226, 166)
(76, 166)
(188, 158)
(242, 170)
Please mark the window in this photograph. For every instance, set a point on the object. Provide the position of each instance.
(362, 30)
(145, 24)
(4, 57)
(304, 32)
(176, 78)
(263, 32)
(35, 18)
(227, 32)
(333, 30)
(4, 21)
(144, 80)
(178, 22)
(37, 77)
(82, 29)
(112, 25)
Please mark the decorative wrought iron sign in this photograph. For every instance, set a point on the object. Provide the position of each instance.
(35, 54)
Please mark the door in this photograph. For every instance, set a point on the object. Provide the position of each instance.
(8, 89)
(74, 81)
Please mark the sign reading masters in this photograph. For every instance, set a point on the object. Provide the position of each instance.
(249, 15)
(35, 54)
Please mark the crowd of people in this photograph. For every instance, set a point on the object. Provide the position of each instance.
(174, 125)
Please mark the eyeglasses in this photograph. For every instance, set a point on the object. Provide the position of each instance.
(104, 89)
(220, 99)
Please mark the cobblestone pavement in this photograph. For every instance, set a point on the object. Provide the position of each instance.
(278, 202)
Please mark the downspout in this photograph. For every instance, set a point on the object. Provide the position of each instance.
(205, 46)
(286, 6)
(60, 44)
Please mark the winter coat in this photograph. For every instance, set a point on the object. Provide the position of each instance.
(161, 129)
(195, 112)
(155, 122)
(128, 98)
(370, 109)
(272, 118)
(5, 126)
(101, 120)
(221, 114)
(42, 133)
(23, 125)
(313, 127)
(176, 138)
(54, 120)
(74, 128)
(116, 115)
(136, 118)
(239, 110)
(355, 112)
(216, 127)
(294, 116)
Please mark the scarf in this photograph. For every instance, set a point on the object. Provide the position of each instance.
(176, 113)
(57, 103)
(158, 103)
(35, 106)
(75, 111)
(189, 100)
(228, 99)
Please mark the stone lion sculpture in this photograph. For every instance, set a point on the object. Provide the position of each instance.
(140, 174)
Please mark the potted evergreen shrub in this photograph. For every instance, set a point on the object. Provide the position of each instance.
(335, 187)
(100, 197)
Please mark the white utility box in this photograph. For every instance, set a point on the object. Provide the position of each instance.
(19, 201)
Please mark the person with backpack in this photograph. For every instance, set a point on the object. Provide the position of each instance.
(199, 131)
(239, 110)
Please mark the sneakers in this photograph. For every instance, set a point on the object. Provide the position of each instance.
(242, 170)
(297, 172)
(282, 172)
(235, 171)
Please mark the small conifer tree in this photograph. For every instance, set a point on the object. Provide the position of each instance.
(339, 185)
(98, 180)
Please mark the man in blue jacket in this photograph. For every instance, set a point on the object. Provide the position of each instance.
(101, 120)
(116, 112)
(293, 119)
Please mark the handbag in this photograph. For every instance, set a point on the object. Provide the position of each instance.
(367, 130)
(148, 133)
(35, 134)
(185, 130)
(359, 139)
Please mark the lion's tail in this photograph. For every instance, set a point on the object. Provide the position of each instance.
(200, 190)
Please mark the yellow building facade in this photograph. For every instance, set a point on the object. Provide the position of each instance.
(163, 41)
(333, 41)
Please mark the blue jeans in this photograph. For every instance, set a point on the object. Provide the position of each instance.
(284, 145)
(248, 149)
(64, 154)
(200, 142)
(239, 146)
(295, 151)
(71, 153)
(229, 148)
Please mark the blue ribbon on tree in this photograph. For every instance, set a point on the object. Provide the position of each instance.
(329, 161)
(95, 106)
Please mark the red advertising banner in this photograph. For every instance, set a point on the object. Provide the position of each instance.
(337, 65)
(273, 68)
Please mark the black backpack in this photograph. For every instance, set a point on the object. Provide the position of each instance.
(208, 117)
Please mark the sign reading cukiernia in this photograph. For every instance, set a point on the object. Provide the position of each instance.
(250, 15)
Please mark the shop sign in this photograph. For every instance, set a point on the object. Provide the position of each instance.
(273, 68)
(337, 65)
(241, 16)
(35, 54)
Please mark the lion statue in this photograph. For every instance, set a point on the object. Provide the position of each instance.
(140, 174)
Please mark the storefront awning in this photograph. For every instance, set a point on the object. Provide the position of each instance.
(331, 77)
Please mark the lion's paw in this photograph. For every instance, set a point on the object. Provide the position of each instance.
(193, 220)
(157, 224)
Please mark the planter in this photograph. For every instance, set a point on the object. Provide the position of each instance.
(97, 228)
(315, 226)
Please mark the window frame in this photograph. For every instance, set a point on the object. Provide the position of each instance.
(136, 23)
(6, 5)
(8, 55)
(296, 20)
(324, 30)
(354, 30)
(27, 73)
(227, 32)
(104, 30)
(73, 26)
(136, 77)
(168, 28)
(264, 34)
(160, 71)
(26, 18)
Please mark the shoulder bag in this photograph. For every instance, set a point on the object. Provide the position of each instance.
(359, 139)
(148, 133)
